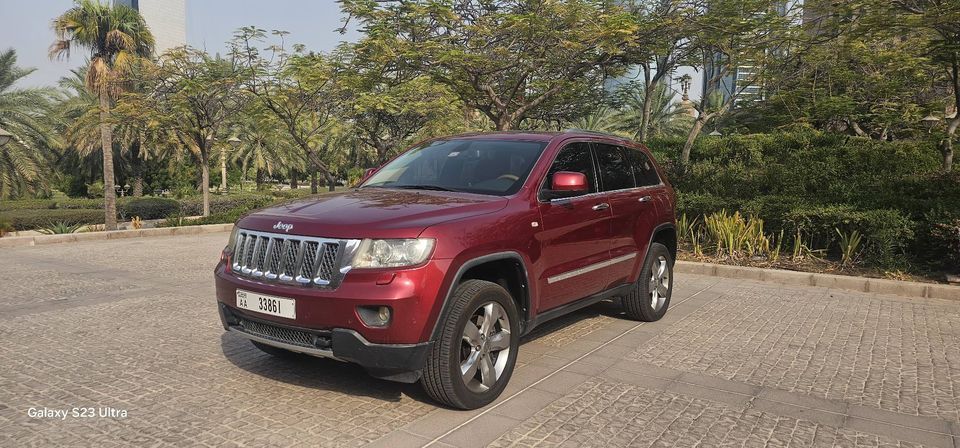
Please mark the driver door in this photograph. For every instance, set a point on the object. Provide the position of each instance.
(574, 234)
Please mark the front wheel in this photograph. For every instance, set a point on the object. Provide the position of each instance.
(650, 296)
(473, 359)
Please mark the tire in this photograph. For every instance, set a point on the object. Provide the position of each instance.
(492, 362)
(275, 351)
(650, 297)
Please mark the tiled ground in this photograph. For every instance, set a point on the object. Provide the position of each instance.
(894, 354)
(131, 325)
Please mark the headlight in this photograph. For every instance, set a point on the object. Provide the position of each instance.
(232, 242)
(392, 253)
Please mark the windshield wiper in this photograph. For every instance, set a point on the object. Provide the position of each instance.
(424, 187)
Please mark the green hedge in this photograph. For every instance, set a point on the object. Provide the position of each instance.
(34, 219)
(150, 208)
(221, 204)
(42, 204)
(886, 233)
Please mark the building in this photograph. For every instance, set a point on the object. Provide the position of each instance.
(167, 20)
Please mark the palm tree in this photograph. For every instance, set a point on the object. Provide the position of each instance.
(136, 136)
(666, 119)
(25, 114)
(264, 145)
(601, 119)
(117, 37)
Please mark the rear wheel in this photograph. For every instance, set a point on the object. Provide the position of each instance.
(473, 359)
(650, 297)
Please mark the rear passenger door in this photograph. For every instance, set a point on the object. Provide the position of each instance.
(632, 198)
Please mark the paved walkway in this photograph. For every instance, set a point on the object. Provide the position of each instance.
(129, 328)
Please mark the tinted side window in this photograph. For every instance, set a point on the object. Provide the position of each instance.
(575, 157)
(643, 169)
(615, 172)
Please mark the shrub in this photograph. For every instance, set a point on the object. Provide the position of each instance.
(35, 219)
(697, 205)
(886, 233)
(219, 204)
(60, 227)
(947, 236)
(150, 208)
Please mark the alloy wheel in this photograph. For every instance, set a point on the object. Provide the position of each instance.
(485, 347)
(659, 283)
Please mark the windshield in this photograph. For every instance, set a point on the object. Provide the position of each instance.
(495, 167)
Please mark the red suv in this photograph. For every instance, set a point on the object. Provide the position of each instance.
(442, 259)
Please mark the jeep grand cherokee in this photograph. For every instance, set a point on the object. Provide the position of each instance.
(442, 259)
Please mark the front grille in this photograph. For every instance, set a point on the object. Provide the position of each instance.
(285, 335)
(288, 259)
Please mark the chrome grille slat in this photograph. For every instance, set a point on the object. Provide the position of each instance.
(291, 259)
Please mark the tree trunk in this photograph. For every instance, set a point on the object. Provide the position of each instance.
(503, 123)
(223, 169)
(691, 138)
(947, 146)
(331, 182)
(313, 181)
(260, 175)
(645, 117)
(136, 163)
(106, 142)
(205, 182)
(647, 106)
(294, 182)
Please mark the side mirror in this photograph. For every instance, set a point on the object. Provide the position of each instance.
(366, 175)
(565, 184)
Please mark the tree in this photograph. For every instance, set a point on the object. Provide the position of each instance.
(116, 36)
(656, 112)
(193, 98)
(135, 138)
(264, 145)
(729, 36)
(941, 21)
(298, 87)
(662, 45)
(27, 114)
(386, 100)
(508, 59)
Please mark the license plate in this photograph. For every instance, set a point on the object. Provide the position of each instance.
(274, 306)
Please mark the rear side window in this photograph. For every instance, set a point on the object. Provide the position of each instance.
(643, 169)
(615, 170)
(575, 157)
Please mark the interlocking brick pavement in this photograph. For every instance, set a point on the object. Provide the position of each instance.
(131, 325)
(891, 353)
(602, 413)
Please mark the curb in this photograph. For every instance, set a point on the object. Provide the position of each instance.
(39, 240)
(860, 284)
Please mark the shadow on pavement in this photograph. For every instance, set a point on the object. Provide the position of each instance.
(328, 374)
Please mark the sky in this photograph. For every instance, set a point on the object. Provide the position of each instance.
(25, 27)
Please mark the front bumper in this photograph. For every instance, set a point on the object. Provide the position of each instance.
(396, 362)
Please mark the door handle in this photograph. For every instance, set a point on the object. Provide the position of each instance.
(601, 206)
(646, 199)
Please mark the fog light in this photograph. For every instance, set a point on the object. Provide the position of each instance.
(374, 316)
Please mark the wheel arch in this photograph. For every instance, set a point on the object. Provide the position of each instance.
(507, 269)
(665, 234)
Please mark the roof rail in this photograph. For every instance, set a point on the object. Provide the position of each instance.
(587, 131)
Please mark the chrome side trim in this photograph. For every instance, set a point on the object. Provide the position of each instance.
(591, 268)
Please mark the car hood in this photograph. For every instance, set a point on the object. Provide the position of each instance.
(370, 213)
